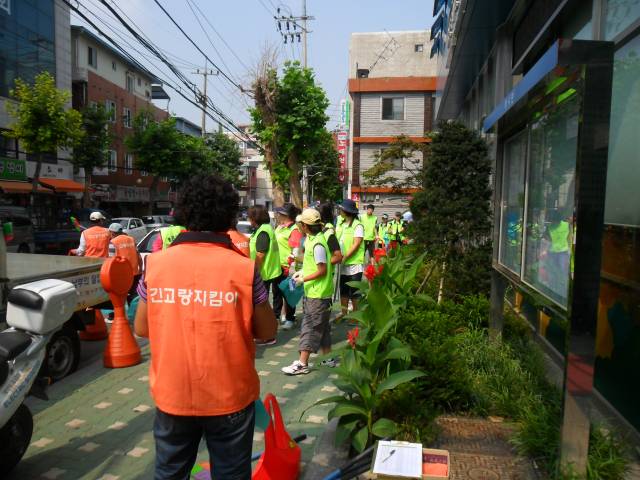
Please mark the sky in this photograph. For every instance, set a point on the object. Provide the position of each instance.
(243, 29)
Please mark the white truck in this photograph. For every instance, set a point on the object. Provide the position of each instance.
(63, 351)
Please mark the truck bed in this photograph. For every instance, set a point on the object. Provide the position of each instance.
(83, 272)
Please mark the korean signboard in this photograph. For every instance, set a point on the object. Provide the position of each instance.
(343, 143)
(12, 169)
(344, 114)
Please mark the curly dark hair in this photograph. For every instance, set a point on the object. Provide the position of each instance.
(207, 203)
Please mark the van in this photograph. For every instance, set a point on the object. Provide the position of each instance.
(23, 238)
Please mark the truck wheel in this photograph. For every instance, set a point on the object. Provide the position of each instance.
(63, 354)
(15, 437)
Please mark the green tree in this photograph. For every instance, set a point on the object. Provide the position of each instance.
(41, 120)
(452, 215)
(323, 170)
(225, 157)
(91, 150)
(399, 166)
(289, 120)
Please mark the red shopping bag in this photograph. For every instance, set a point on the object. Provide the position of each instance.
(281, 457)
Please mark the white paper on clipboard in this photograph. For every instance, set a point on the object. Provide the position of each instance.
(400, 459)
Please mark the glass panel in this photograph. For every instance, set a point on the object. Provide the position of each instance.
(619, 15)
(623, 177)
(387, 108)
(398, 108)
(512, 215)
(553, 149)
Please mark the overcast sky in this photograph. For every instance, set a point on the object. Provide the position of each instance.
(247, 26)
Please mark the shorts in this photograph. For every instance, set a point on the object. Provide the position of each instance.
(347, 291)
(315, 331)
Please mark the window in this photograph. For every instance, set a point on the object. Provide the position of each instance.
(128, 164)
(550, 201)
(113, 161)
(127, 118)
(110, 106)
(144, 173)
(92, 57)
(512, 208)
(147, 94)
(93, 104)
(139, 82)
(398, 163)
(113, 66)
(620, 14)
(393, 108)
(418, 48)
(129, 83)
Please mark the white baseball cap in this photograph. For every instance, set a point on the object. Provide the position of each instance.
(115, 227)
(95, 216)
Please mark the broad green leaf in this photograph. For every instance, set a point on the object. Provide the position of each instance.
(403, 353)
(345, 431)
(412, 271)
(393, 380)
(346, 386)
(359, 441)
(322, 401)
(347, 409)
(384, 428)
(361, 285)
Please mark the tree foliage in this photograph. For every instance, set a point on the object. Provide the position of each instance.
(41, 120)
(324, 170)
(386, 170)
(289, 121)
(91, 150)
(452, 215)
(225, 156)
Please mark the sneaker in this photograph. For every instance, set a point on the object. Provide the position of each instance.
(264, 343)
(288, 325)
(329, 362)
(283, 319)
(296, 368)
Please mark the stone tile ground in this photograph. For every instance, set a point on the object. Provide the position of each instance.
(97, 423)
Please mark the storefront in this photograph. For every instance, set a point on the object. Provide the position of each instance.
(586, 310)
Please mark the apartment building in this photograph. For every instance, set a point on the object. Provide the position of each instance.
(101, 75)
(391, 93)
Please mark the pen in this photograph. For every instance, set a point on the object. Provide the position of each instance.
(390, 454)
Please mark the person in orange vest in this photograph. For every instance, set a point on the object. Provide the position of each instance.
(123, 245)
(201, 306)
(94, 241)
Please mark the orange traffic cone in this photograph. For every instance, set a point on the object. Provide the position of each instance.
(121, 350)
(97, 331)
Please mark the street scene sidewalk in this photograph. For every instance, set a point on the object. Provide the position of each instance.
(98, 422)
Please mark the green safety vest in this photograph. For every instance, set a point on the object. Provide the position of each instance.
(271, 266)
(320, 287)
(346, 240)
(169, 234)
(369, 222)
(282, 236)
(328, 230)
(395, 230)
(559, 237)
(383, 231)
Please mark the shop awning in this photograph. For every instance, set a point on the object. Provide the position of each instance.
(62, 184)
(9, 187)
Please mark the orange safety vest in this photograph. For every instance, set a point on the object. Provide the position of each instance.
(200, 308)
(126, 247)
(96, 241)
(240, 241)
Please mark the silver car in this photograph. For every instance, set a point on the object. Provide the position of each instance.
(158, 221)
(134, 227)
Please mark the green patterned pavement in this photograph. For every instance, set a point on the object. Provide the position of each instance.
(97, 423)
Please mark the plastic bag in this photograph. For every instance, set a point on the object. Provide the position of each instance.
(292, 293)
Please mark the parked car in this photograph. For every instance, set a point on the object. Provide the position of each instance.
(134, 227)
(244, 228)
(158, 221)
(23, 237)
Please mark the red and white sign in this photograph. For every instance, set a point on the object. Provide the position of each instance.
(343, 144)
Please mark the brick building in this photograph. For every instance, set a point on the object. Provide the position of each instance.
(101, 75)
(391, 87)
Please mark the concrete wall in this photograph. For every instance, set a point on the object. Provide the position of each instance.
(372, 125)
(391, 54)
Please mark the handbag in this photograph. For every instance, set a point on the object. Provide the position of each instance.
(281, 457)
(292, 292)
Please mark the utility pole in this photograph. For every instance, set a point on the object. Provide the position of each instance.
(203, 98)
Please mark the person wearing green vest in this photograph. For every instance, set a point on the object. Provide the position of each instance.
(370, 222)
(351, 238)
(166, 237)
(382, 232)
(263, 249)
(396, 231)
(317, 278)
(329, 231)
(558, 236)
(288, 238)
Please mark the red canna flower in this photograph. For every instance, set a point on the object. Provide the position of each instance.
(378, 253)
(370, 272)
(352, 336)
